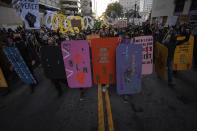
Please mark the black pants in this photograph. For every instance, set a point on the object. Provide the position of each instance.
(31, 69)
(58, 85)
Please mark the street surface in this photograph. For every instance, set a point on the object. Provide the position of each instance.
(157, 108)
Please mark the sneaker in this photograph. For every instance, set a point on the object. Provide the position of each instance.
(81, 96)
(171, 84)
(125, 101)
(125, 98)
(81, 99)
(103, 89)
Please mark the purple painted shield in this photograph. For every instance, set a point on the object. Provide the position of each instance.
(126, 41)
(76, 58)
(128, 68)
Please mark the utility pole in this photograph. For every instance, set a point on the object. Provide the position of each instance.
(134, 12)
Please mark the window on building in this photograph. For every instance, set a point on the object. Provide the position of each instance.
(179, 5)
(193, 5)
(90, 4)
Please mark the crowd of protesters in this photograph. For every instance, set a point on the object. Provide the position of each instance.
(29, 43)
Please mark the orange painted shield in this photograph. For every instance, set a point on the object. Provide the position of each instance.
(104, 60)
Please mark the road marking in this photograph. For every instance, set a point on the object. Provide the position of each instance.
(109, 113)
(101, 124)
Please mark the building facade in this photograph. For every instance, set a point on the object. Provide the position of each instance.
(144, 7)
(130, 4)
(147, 7)
(185, 10)
(141, 5)
(50, 4)
(86, 7)
(70, 7)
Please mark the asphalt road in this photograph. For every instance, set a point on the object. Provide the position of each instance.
(156, 108)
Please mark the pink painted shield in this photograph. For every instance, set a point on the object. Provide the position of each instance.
(147, 56)
(76, 58)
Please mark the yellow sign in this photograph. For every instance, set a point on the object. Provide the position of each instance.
(64, 24)
(79, 18)
(90, 37)
(60, 21)
(161, 56)
(183, 55)
(102, 19)
(3, 82)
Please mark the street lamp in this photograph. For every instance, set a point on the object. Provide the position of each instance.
(134, 11)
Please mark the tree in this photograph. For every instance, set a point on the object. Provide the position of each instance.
(114, 10)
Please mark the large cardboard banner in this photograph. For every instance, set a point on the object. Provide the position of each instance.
(48, 17)
(76, 56)
(147, 57)
(128, 68)
(172, 21)
(183, 55)
(161, 56)
(3, 82)
(77, 22)
(104, 60)
(52, 62)
(19, 65)
(89, 22)
(91, 37)
(30, 13)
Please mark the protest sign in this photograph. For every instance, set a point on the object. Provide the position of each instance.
(19, 65)
(172, 21)
(61, 22)
(89, 22)
(103, 19)
(147, 57)
(103, 59)
(91, 37)
(77, 21)
(161, 56)
(183, 55)
(76, 56)
(30, 13)
(128, 68)
(48, 19)
(3, 82)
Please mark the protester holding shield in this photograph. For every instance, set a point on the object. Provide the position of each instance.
(171, 42)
